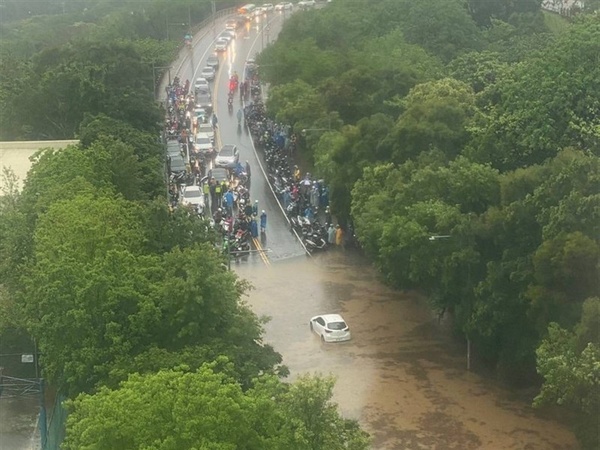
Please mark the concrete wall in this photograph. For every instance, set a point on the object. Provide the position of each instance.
(16, 154)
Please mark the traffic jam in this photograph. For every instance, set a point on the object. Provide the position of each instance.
(206, 176)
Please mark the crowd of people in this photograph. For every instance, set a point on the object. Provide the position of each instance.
(227, 202)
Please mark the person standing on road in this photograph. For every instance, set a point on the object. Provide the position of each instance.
(228, 197)
(263, 222)
(339, 236)
(287, 198)
(328, 218)
(254, 228)
(240, 115)
(214, 121)
(255, 208)
(248, 172)
(331, 235)
(206, 192)
(314, 197)
(248, 210)
(218, 195)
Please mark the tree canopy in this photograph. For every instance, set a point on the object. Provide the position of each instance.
(474, 122)
(181, 409)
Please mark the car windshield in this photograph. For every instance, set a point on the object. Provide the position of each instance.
(337, 325)
(226, 151)
(219, 175)
(192, 194)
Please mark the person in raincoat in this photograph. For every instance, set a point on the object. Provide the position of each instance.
(331, 235)
(328, 218)
(309, 214)
(339, 236)
(263, 221)
(228, 197)
(287, 198)
(314, 197)
(248, 210)
(254, 228)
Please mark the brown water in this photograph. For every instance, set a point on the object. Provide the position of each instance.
(402, 376)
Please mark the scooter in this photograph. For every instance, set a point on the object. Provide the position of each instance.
(300, 222)
(314, 242)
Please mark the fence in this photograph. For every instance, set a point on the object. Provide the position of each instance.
(57, 418)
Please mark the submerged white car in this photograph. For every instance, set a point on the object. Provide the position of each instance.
(330, 327)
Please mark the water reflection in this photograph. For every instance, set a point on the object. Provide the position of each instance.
(402, 376)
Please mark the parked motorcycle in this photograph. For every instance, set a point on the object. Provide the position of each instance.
(314, 242)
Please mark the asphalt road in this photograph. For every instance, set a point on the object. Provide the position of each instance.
(278, 242)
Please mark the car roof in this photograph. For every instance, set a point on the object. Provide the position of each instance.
(328, 318)
(192, 188)
(219, 173)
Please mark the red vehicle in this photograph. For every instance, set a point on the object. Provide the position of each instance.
(233, 83)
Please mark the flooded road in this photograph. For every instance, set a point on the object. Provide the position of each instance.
(402, 376)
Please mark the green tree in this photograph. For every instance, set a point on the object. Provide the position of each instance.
(297, 104)
(96, 304)
(435, 115)
(178, 409)
(545, 105)
(483, 11)
(570, 365)
(443, 27)
(340, 157)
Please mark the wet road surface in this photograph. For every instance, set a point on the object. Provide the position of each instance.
(280, 242)
(402, 376)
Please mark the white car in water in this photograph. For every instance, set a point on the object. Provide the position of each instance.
(330, 327)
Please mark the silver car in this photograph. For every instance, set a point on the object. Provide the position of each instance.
(213, 61)
(208, 73)
(227, 157)
(221, 45)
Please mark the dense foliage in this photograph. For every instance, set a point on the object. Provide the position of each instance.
(178, 409)
(107, 279)
(463, 145)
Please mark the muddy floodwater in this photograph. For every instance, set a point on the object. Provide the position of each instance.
(403, 376)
